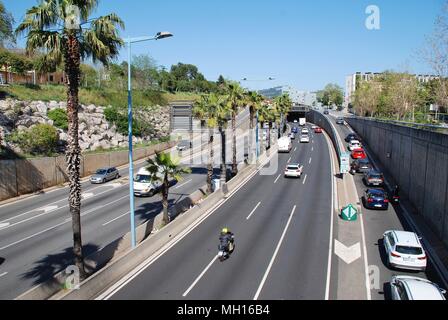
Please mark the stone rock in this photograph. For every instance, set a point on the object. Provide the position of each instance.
(91, 108)
(63, 136)
(84, 145)
(53, 105)
(104, 126)
(81, 127)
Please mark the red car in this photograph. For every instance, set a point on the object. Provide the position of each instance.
(359, 154)
(318, 130)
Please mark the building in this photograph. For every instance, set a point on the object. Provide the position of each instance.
(352, 81)
(297, 96)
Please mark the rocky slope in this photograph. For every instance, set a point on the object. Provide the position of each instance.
(94, 130)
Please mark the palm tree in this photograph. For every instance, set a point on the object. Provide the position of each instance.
(267, 114)
(50, 28)
(235, 100)
(163, 168)
(254, 100)
(283, 104)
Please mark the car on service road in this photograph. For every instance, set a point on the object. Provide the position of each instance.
(351, 136)
(359, 154)
(304, 138)
(104, 174)
(360, 166)
(317, 130)
(373, 178)
(404, 250)
(414, 288)
(293, 170)
(375, 199)
(340, 121)
(354, 144)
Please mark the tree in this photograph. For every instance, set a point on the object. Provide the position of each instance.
(51, 26)
(163, 168)
(403, 94)
(211, 109)
(235, 101)
(332, 94)
(366, 98)
(6, 26)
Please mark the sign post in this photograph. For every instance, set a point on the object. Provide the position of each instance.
(345, 162)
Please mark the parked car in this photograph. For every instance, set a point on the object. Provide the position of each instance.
(354, 144)
(359, 154)
(414, 288)
(351, 136)
(373, 178)
(360, 166)
(304, 138)
(293, 170)
(104, 174)
(317, 130)
(376, 199)
(404, 250)
(340, 121)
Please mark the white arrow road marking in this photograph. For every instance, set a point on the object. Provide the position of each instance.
(200, 276)
(87, 195)
(349, 255)
(4, 225)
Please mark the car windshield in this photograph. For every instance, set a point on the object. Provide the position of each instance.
(142, 178)
(364, 162)
(409, 250)
(377, 193)
(376, 176)
(101, 171)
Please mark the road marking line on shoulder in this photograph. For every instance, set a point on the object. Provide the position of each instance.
(265, 276)
(199, 277)
(4, 225)
(120, 216)
(183, 184)
(274, 181)
(289, 160)
(3, 274)
(252, 212)
(87, 195)
(295, 149)
(304, 180)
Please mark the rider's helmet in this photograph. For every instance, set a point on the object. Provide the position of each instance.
(224, 231)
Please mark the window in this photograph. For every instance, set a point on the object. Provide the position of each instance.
(402, 292)
(51, 78)
(409, 250)
(391, 240)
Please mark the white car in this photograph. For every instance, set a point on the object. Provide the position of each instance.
(143, 184)
(295, 121)
(294, 170)
(314, 126)
(354, 144)
(404, 250)
(305, 131)
(413, 288)
(304, 138)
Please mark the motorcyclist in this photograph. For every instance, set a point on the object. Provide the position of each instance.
(395, 193)
(227, 239)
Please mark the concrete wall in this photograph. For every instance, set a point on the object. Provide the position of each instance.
(24, 176)
(416, 160)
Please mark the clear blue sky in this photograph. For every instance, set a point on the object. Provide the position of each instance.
(306, 44)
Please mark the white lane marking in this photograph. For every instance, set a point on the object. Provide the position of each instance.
(87, 195)
(4, 225)
(199, 277)
(257, 294)
(312, 148)
(3, 274)
(277, 178)
(252, 212)
(183, 184)
(310, 161)
(304, 180)
(120, 216)
(295, 149)
(333, 197)
(106, 295)
(289, 160)
(48, 209)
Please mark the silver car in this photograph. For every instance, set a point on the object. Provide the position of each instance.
(104, 174)
(413, 288)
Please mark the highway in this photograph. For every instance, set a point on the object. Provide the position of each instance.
(36, 237)
(282, 233)
(375, 224)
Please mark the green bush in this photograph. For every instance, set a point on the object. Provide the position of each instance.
(41, 139)
(59, 117)
(140, 128)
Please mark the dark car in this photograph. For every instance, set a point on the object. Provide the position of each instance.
(295, 130)
(340, 121)
(351, 136)
(104, 174)
(376, 199)
(373, 178)
(326, 112)
(360, 166)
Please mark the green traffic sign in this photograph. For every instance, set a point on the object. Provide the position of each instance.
(349, 213)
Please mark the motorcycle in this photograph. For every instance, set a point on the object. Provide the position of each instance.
(225, 249)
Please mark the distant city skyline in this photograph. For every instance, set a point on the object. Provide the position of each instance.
(302, 44)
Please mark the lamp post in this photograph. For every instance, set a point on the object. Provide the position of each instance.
(129, 42)
(257, 143)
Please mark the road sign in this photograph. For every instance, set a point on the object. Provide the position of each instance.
(349, 213)
(345, 162)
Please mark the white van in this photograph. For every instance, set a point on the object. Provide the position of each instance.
(284, 144)
(143, 186)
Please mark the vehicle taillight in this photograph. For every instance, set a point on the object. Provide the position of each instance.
(393, 254)
(422, 258)
(386, 200)
(370, 200)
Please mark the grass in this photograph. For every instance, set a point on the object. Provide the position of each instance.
(97, 96)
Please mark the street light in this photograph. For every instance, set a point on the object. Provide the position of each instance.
(130, 41)
(257, 143)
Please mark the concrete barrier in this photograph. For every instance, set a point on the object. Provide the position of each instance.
(8, 181)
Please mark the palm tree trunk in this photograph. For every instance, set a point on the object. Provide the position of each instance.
(251, 117)
(210, 161)
(269, 134)
(234, 164)
(223, 155)
(73, 154)
(165, 189)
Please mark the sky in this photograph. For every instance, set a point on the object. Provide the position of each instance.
(304, 44)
